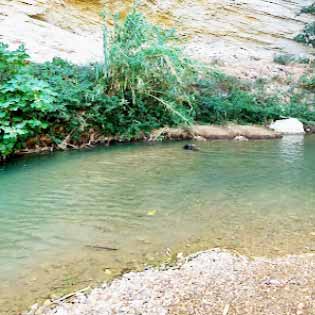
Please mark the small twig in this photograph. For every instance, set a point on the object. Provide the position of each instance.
(68, 296)
(102, 247)
(226, 309)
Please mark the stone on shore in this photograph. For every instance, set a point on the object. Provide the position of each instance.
(288, 126)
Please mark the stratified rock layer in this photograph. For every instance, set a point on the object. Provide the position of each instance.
(235, 31)
(69, 29)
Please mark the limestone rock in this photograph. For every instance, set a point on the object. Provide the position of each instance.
(288, 126)
(240, 138)
(200, 138)
(242, 32)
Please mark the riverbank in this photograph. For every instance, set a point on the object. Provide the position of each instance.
(209, 282)
(195, 132)
(215, 132)
(59, 105)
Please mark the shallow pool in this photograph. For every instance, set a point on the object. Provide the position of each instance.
(73, 218)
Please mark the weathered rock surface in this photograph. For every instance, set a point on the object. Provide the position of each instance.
(239, 32)
(288, 126)
(70, 29)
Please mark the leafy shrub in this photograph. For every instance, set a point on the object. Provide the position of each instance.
(24, 101)
(77, 89)
(147, 71)
(309, 9)
(308, 82)
(144, 83)
(73, 83)
(223, 98)
(286, 59)
(300, 111)
(307, 36)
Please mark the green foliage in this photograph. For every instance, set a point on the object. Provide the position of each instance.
(148, 72)
(286, 59)
(308, 82)
(300, 111)
(24, 101)
(222, 98)
(309, 9)
(77, 88)
(144, 83)
(307, 36)
(74, 84)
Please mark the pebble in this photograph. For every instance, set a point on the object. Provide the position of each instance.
(272, 282)
(203, 283)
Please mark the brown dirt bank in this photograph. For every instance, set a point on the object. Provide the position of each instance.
(42, 143)
(210, 282)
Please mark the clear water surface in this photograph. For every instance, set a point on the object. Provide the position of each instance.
(148, 202)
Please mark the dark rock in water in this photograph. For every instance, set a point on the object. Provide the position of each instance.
(309, 129)
(191, 147)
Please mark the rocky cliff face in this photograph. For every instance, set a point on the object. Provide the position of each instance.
(65, 28)
(236, 32)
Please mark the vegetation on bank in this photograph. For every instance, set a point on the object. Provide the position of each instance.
(144, 83)
(287, 59)
(307, 36)
(309, 9)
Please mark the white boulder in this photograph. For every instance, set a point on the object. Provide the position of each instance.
(288, 126)
(240, 138)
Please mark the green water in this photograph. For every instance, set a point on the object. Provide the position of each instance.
(255, 197)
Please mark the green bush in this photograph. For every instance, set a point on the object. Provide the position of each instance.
(146, 70)
(309, 9)
(286, 59)
(145, 82)
(223, 98)
(24, 101)
(307, 36)
(77, 88)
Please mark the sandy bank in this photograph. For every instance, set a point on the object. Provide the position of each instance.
(211, 282)
(214, 132)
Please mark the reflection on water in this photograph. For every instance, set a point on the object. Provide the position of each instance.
(292, 148)
(148, 200)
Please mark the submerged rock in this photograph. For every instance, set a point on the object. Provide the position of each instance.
(288, 126)
(191, 147)
(310, 129)
(200, 138)
(240, 138)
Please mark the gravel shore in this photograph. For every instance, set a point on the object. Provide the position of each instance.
(211, 282)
